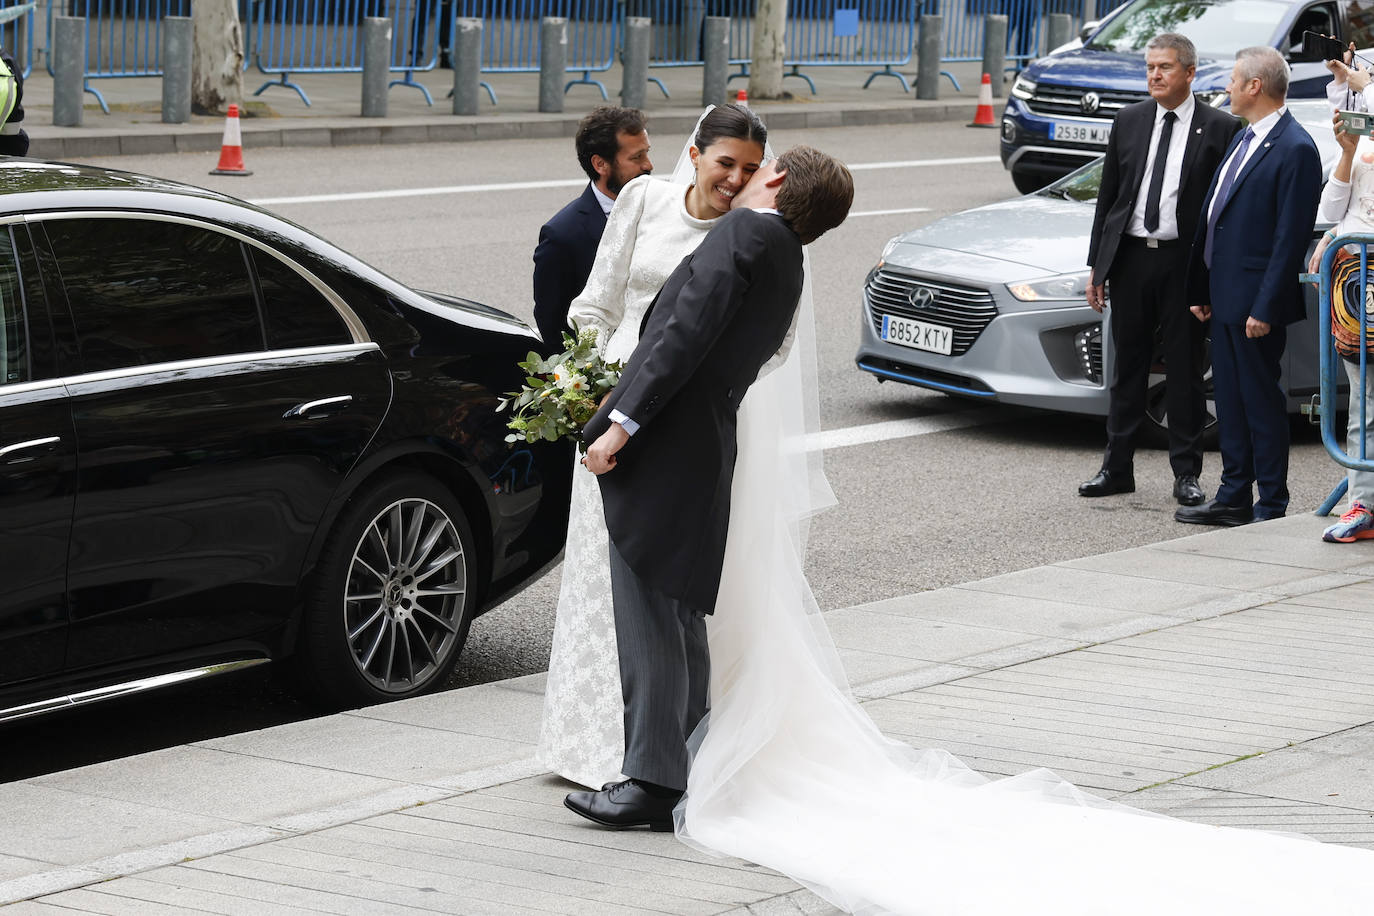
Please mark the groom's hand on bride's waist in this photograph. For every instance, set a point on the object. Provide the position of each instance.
(600, 456)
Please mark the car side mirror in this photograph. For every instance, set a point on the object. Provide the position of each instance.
(1088, 29)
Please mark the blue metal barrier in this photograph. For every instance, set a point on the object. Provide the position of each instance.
(326, 36)
(123, 37)
(16, 33)
(1330, 363)
(511, 35)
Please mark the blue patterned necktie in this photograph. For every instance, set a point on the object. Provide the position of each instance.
(1224, 192)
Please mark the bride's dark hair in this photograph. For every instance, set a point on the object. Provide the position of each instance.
(733, 121)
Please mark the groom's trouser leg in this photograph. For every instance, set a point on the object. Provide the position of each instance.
(664, 674)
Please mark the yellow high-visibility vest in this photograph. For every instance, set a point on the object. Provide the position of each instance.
(8, 93)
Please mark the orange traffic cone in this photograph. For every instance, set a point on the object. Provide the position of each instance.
(742, 98)
(984, 117)
(231, 150)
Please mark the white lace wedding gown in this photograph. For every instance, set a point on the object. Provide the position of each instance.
(789, 772)
(648, 232)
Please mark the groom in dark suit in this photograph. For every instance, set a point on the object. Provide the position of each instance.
(664, 447)
(1160, 160)
(613, 149)
(1251, 246)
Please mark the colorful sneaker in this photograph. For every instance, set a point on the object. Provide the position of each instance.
(1355, 525)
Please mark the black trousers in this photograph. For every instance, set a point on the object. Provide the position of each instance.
(1149, 298)
(665, 672)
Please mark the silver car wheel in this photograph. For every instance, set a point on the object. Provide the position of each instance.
(404, 598)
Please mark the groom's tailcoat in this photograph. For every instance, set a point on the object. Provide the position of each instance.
(719, 317)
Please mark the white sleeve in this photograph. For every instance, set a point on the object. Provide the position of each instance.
(601, 304)
(1335, 201)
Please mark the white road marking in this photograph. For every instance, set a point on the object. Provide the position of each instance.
(576, 183)
(888, 212)
(901, 429)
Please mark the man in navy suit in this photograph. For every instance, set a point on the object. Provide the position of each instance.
(612, 148)
(1252, 244)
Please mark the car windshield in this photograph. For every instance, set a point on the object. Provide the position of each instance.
(1080, 185)
(1218, 28)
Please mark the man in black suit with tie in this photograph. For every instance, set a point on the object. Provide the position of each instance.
(612, 148)
(664, 447)
(1251, 246)
(1160, 159)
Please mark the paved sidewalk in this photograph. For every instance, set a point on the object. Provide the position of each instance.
(1226, 677)
(279, 118)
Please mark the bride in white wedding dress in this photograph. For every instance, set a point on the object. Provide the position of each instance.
(789, 772)
(653, 226)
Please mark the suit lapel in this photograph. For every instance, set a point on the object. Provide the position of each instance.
(1139, 152)
(1265, 145)
(1196, 128)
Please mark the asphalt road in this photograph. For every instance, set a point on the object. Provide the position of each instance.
(914, 513)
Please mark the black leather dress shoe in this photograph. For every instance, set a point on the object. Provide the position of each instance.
(1187, 491)
(623, 806)
(1215, 513)
(1105, 483)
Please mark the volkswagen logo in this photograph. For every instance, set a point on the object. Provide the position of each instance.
(1090, 102)
(921, 297)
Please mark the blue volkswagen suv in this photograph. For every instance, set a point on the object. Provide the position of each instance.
(1060, 109)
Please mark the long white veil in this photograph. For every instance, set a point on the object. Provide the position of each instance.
(789, 772)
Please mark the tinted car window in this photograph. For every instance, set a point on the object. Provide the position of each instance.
(153, 291)
(1218, 28)
(1080, 185)
(1361, 23)
(295, 312)
(14, 349)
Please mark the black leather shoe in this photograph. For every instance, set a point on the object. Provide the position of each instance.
(1187, 491)
(1215, 513)
(623, 806)
(1106, 483)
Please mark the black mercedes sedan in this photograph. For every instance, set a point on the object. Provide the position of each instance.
(224, 442)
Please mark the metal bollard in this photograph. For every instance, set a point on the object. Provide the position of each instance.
(929, 43)
(1058, 30)
(995, 50)
(635, 72)
(69, 70)
(715, 76)
(553, 62)
(177, 37)
(376, 65)
(467, 66)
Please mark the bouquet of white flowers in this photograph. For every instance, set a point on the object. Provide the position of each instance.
(561, 393)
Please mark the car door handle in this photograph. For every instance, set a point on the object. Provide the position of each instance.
(27, 451)
(321, 408)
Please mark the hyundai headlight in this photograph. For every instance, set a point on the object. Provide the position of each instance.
(1064, 286)
(1023, 88)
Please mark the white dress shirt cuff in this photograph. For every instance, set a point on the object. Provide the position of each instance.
(629, 425)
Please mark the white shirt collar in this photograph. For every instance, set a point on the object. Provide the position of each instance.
(1184, 111)
(1267, 123)
(606, 202)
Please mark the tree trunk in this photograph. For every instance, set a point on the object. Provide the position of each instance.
(217, 64)
(765, 71)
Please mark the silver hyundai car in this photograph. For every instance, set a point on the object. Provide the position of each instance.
(990, 303)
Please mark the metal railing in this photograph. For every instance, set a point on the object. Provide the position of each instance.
(287, 37)
(511, 35)
(1330, 362)
(123, 37)
(16, 32)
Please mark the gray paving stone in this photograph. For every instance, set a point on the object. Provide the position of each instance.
(373, 747)
(916, 639)
(87, 900)
(71, 828)
(1156, 563)
(136, 893)
(1007, 612)
(13, 866)
(216, 783)
(1357, 597)
(492, 710)
(1335, 769)
(1259, 541)
(1066, 582)
(914, 679)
